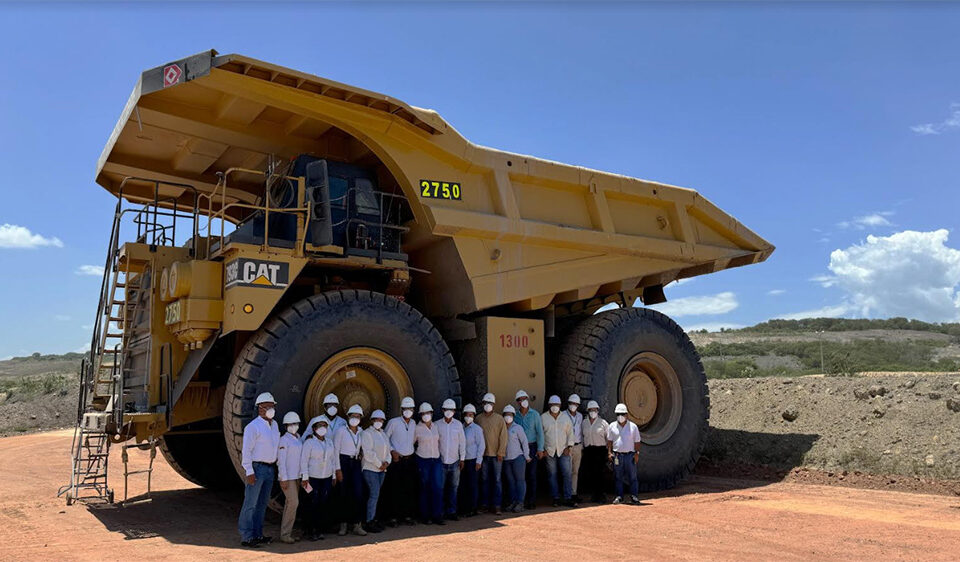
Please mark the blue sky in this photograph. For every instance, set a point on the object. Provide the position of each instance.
(831, 130)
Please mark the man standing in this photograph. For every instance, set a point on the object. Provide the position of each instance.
(623, 447)
(529, 420)
(288, 472)
(594, 431)
(557, 443)
(400, 485)
(495, 442)
(346, 441)
(261, 439)
(474, 461)
(427, 438)
(576, 418)
(453, 450)
(375, 448)
(331, 404)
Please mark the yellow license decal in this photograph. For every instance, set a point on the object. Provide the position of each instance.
(440, 189)
(172, 315)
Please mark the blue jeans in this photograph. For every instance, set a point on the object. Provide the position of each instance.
(516, 478)
(431, 488)
(255, 498)
(625, 473)
(451, 481)
(374, 482)
(490, 489)
(531, 495)
(469, 490)
(566, 475)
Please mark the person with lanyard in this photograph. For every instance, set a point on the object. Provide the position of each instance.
(375, 450)
(288, 472)
(453, 450)
(347, 443)
(319, 463)
(495, 439)
(529, 420)
(594, 431)
(258, 457)
(517, 458)
(557, 443)
(331, 404)
(470, 475)
(400, 485)
(427, 439)
(623, 448)
(576, 453)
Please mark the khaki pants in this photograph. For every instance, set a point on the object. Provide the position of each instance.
(576, 454)
(291, 498)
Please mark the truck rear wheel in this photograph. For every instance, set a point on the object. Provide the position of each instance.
(365, 347)
(642, 358)
(200, 457)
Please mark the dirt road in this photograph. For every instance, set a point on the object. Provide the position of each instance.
(706, 518)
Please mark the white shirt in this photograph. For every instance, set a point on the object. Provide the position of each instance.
(332, 425)
(557, 433)
(577, 421)
(475, 443)
(347, 442)
(400, 433)
(453, 442)
(319, 459)
(623, 438)
(376, 449)
(594, 433)
(288, 457)
(261, 439)
(427, 440)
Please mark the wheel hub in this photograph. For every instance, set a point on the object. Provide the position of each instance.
(359, 375)
(651, 390)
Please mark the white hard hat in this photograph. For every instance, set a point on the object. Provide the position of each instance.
(407, 402)
(521, 394)
(592, 405)
(489, 397)
(620, 409)
(469, 409)
(574, 399)
(355, 409)
(554, 399)
(291, 417)
(448, 404)
(508, 409)
(265, 397)
(425, 407)
(331, 399)
(378, 414)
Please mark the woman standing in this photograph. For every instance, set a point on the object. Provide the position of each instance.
(318, 463)
(375, 448)
(288, 473)
(515, 462)
(427, 439)
(347, 442)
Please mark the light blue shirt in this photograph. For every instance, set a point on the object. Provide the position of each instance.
(475, 442)
(516, 443)
(532, 426)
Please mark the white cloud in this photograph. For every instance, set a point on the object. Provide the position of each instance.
(873, 220)
(721, 303)
(96, 270)
(825, 312)
(713, 327)
(86, 327)
(951, 122)
(776, 292)
(61, 317)
(19, 237)
(824, 280)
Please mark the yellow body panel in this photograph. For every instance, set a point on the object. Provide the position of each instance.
(514, 359)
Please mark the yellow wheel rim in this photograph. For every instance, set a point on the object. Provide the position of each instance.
(359, 375)
(651, 390)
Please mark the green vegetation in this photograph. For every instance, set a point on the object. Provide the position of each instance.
(848, 324)
(22, 388)
(38, 357)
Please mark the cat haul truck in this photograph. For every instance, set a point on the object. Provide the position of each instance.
(276, 231)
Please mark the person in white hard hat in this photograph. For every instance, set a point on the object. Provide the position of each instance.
(594, 431)
(375, 448)
(346, 440)
(427, 439)
(470, 475)
(331, 405)
(288, 472)
(529, 420)
(516, 460)
(319, 463)
(453, 450)
(576, 453)
(623, 447)
(400, 486)
(557, 444)
(495, 439)
(258, 457)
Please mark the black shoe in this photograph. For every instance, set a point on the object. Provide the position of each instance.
(473, 513)
(392, 523)
(556, 503)
(316, 537)
(496, 510)
(374, 526)
(529, 506)
(576, 499)
(439, 521)
(424, 521)
(409, 521)
(264, 540)
(250, 543)
(571, 503)
(453, 517)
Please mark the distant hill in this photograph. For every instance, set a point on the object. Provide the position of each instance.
(37, 364)
(851, 324)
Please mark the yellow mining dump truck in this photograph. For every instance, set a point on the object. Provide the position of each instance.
(277, 231)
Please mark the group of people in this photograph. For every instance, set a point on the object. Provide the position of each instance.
(400, 471)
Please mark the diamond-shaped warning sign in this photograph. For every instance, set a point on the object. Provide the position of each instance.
(171, 75)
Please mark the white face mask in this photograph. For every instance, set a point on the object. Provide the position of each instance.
(593, 415)
(488, 407)
(270, 413)
(332, 411)
(377, 424)
(524, 404)
(508, 418)
(572, 408)
(425, 418)
(321, 431)
(293, 428)
(354, 422)
(448, 414)
(468, 419)
(408, 414)
(622, 418)
(555, 409)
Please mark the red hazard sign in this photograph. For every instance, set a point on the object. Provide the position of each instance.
(171, 75)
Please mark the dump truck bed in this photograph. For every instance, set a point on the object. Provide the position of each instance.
(492, 228)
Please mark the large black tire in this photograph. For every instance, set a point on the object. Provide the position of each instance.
(201, 458)
(285, 353)
(596, 354)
